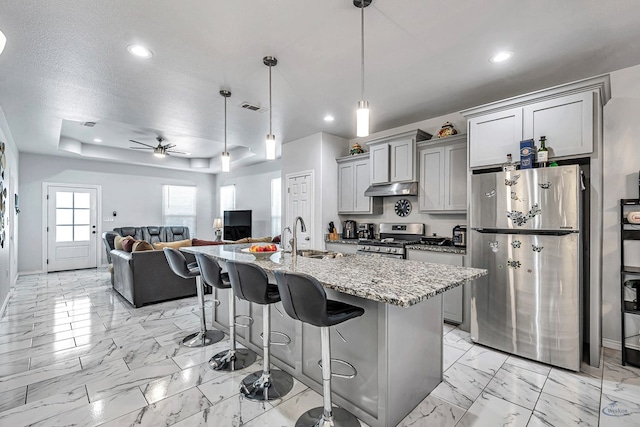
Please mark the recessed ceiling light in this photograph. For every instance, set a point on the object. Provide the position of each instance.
(97, 140)
(501, 56)
(140, 51)
(3, 41)
(329, 118)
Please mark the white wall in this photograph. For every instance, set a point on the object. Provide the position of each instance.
(621, 165)
(442, 225)
(317, 152)
(253, 191)
(135, 192)
(8, 253)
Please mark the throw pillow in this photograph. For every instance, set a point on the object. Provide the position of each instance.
(142, 245)
(199, 242)
(175, 245)
(127, 244)
(117, 241)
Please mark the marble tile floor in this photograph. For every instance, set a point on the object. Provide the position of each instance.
(72, 352)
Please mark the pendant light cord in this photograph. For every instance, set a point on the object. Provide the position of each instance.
(362, 47)
(270, 106)
(225, 125)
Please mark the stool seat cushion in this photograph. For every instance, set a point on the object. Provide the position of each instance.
(212, 272)
(178, 264)
(251, 283)
(338, 312)
(305, 299)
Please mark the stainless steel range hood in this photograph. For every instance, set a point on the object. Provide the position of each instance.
(394, 189)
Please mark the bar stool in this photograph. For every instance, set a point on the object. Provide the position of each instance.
(178, 264)
(232, 359)
(250, 283)
(304, 299)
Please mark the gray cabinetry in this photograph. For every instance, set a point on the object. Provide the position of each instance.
(564, 114)
(443, 175)
(453, 298)
(353, 180)
(344, 248)
(393, 158)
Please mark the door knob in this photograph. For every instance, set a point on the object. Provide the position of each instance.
(307, 238)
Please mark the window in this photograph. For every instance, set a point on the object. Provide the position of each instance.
(179, 206)
(276, 206)
(227, 199)
(73, 212)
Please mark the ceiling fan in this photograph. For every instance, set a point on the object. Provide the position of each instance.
(160, 150)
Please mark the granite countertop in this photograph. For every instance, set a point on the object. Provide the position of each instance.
(344, 241)
(436, 248)
(388, 280)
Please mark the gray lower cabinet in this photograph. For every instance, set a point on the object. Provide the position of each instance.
(381, 345)
(345, 248)
(453, 299)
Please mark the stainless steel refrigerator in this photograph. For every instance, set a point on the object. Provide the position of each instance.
(526, 230)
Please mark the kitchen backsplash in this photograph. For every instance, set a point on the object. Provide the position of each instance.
(442, 224)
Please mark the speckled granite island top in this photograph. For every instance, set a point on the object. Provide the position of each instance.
(435, 248)
(393, 281)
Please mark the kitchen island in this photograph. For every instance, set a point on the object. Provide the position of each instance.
(396, 346)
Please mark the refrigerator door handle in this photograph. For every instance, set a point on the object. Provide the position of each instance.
(527, 232)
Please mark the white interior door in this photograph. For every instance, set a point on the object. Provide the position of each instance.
(300, 203)
(71, 228)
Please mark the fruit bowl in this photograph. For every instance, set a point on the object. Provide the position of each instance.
(261, 251)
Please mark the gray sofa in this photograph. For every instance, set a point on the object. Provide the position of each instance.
(145, 277)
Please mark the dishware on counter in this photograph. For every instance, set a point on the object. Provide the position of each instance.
(260, 251)
(349, 229)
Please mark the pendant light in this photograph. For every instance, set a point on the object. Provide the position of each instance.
(270, 61)
(362, 114)
(226, 160)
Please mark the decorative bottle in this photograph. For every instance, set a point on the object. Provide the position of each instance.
(543, 152)
(508, 166)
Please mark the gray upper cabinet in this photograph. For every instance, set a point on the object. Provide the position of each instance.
(393, 158)
(353, 180)
(564, 114)
(443, 175)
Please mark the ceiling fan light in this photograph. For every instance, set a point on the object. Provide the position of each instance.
(362, 119)
(270, 146)
(3, 41)
(159, 154)
(226, 161)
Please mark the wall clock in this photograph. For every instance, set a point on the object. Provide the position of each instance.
(403, 207)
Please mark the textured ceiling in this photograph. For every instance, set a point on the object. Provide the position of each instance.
(66, 62)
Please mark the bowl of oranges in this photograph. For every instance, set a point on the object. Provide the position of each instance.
(262, 251)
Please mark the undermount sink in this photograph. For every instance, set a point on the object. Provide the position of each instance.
(315, 253)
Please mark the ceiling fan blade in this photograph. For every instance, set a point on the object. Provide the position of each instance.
(142, 143)
(140, 148)
(168, 146)
(176, 152)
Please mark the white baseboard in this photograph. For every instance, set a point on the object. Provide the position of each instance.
(4, 304)
(27, 273)
(613, 344)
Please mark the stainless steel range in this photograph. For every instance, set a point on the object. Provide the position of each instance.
(393, 239)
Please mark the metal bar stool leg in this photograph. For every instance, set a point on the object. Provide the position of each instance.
(266, 384)
(232, 359)
(204, 337)
(327, 416)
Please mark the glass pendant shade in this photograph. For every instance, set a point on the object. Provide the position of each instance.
(270, 147)
(362, 119)
(226, 161)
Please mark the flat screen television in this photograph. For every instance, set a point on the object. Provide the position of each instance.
(237, 224)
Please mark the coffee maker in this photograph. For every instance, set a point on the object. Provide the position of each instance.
(366, 231)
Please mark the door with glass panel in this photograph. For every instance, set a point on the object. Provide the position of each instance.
(71, 228)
